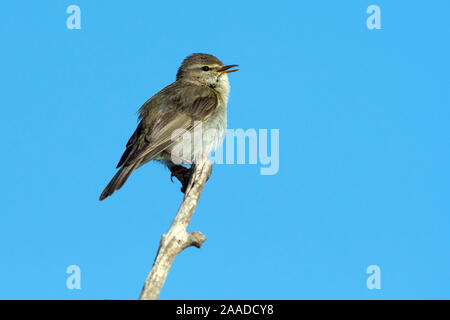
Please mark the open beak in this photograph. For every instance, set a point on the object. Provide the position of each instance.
(225, 69)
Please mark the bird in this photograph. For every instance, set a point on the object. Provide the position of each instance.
(196, 100)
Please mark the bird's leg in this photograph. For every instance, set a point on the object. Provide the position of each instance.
(178, 171)
(183, 174)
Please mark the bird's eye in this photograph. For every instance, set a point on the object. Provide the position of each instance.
(205, 68)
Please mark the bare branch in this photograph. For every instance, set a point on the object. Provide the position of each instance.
(176, 239)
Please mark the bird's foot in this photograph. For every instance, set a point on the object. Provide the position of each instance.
(183, 174)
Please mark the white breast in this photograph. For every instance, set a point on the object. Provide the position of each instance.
(209, 134)
(214, 128)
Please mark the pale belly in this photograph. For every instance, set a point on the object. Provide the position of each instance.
(207, 137)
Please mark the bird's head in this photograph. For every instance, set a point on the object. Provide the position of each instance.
(205, 69)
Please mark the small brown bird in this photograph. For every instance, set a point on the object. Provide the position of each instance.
(198, 97)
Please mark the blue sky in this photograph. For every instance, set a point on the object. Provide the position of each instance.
(364, 150)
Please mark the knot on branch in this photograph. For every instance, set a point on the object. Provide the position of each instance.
(196, 239)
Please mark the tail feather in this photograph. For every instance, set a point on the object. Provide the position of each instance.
(117, 181)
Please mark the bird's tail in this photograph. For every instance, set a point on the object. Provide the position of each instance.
(117, 181)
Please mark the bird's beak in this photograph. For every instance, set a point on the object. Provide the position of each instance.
(224, 69)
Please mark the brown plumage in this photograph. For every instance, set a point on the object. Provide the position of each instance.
(198, 96)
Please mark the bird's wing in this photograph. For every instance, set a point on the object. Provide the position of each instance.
(131, 145)
(178, 106)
